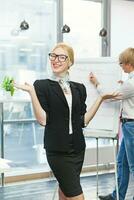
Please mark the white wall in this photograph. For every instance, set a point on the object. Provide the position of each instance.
(122, 25)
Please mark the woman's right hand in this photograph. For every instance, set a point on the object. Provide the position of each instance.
(26, 87)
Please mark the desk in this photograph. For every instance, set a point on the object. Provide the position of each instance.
(3, 100)
(4, 165)
(104, 134)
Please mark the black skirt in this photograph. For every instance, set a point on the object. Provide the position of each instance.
(67, 167)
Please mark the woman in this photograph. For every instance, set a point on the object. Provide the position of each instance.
(59, 105)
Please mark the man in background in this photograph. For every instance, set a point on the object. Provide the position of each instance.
(125, 159)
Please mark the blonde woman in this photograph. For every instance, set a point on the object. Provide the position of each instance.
(59, 105)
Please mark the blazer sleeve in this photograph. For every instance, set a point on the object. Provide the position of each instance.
(83, 96)
(41, 92)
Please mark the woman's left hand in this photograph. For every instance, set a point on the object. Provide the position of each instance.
(114, 95)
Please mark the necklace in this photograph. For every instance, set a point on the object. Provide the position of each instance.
(65, 86)
(63, 81)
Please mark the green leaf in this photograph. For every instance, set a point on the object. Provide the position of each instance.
(7, 85)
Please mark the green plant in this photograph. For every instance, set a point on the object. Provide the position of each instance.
(8, 85)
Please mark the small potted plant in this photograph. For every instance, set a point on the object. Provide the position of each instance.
(8, 85)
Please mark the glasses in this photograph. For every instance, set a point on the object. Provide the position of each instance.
(61, 57)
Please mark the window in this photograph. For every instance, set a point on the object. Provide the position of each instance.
(23, 56)
(84, 20)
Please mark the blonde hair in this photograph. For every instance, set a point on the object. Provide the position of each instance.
(127, 56)
(68, 49)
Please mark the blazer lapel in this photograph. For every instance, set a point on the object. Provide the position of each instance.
(57, 89)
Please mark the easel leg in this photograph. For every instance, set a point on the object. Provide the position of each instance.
(2, 137)
(2, 179)
(115, 167)
(97, 168)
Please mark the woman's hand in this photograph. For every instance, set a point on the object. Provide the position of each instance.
(26, 87)
(114, 95)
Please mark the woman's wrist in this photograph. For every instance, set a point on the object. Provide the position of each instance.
(32, 90)
(100, 98)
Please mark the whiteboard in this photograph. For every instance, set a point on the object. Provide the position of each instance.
(105, 123)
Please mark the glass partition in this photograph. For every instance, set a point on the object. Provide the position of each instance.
(23, 56)
(23, 138)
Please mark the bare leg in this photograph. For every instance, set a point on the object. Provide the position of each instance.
(79, 197)
(61, 195)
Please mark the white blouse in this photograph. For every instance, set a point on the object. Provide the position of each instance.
(69, 101)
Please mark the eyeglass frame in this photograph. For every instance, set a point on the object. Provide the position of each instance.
(57, 56)
(120, 63)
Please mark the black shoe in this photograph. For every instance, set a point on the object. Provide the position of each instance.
(107, 197)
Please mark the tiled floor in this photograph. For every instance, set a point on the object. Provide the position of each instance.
(44, 189)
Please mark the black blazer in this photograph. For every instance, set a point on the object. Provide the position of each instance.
(53, 101)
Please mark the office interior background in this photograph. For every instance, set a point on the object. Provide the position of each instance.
(24, 56)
